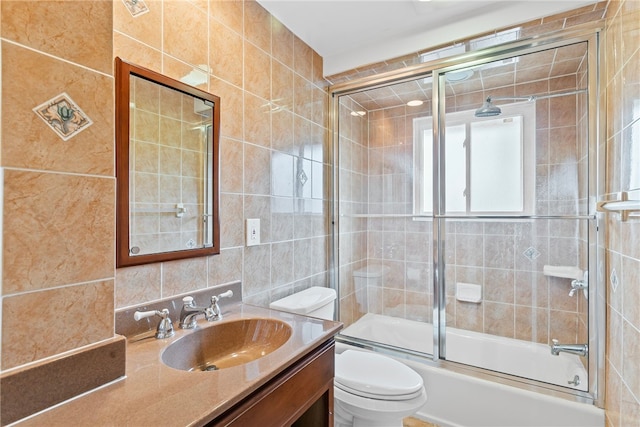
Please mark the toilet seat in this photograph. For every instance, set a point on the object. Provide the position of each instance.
(375, 376)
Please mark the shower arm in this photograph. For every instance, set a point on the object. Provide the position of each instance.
(534, 97)
(488, 109)
(516, 98)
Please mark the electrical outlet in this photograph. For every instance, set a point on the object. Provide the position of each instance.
(253, 232)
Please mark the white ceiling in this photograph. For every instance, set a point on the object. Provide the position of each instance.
(353, 33)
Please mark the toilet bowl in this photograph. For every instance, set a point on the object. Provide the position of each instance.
(374, 390)
(371, 390)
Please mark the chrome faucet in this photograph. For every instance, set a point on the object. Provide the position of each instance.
(579, 349)
(190, 311)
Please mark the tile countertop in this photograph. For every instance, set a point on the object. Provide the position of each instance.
(154, 394)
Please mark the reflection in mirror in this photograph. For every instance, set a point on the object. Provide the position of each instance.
(167, 166)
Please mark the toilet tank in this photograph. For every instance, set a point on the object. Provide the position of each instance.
(370, 276)
(315, 302)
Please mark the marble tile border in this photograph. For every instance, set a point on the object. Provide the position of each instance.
(27, 391)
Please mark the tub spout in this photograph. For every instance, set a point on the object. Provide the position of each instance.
(579, 349)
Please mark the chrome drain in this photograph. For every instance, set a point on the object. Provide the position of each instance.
(210, 368)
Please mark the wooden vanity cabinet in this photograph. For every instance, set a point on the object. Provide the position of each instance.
(301, 396)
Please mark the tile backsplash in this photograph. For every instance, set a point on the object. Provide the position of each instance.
(273, 115)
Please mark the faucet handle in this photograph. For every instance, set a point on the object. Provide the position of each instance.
(139, 315)
(165, 326)
(216, 298)
(215, 312)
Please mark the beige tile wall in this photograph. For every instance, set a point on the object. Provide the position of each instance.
(60, 285)
(273, 127)
(353, 196)
(622, 49)
(58, 196)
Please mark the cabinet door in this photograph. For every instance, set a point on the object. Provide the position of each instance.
(301, 396)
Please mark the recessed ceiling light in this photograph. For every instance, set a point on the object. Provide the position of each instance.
(358, 113)
(415, 103)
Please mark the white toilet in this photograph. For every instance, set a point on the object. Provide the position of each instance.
(371, 390)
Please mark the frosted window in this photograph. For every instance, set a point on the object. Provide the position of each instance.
(455, 169)
(633, 158)
(496, 165)
(425, 185)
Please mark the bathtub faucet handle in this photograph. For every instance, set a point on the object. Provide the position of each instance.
(165, 326)
(577, 285)
(575, 381)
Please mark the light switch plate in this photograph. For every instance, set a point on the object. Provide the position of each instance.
(253, 231)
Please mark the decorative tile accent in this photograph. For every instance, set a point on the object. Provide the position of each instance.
(614, 280)
(63, 116)
(531, 253)
(136, 7)
(302, 177)
(191, 244)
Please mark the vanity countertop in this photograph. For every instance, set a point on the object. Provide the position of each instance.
(154, 394)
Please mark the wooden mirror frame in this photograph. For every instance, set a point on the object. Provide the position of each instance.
(123, 72)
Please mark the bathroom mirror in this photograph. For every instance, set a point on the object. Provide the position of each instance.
(166, 168)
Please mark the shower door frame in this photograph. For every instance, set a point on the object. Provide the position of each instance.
(589, 33)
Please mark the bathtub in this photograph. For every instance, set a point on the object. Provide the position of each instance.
(456, 399)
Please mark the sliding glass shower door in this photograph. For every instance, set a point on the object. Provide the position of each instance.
(385, 262)
(465, 231)
(515, 216)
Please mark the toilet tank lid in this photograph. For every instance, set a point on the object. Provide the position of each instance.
(306, 301)
(374, 270)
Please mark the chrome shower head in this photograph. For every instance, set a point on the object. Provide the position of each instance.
(488, 109)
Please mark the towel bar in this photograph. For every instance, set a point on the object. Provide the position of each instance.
(623, 206)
